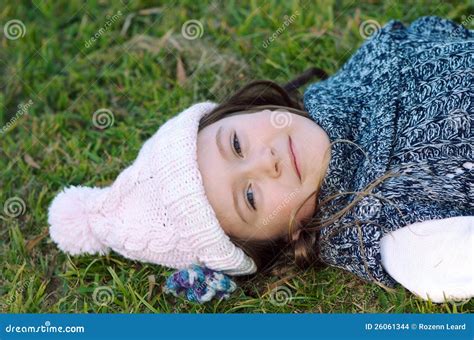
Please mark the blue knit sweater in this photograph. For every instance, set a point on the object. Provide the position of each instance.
(406, 98)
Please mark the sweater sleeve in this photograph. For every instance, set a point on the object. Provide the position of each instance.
(432, 257)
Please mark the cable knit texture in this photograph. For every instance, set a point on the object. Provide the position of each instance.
(156, 210)
(406, 99)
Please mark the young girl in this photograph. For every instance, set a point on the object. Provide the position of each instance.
(373, 175)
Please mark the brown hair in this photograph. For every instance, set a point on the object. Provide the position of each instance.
(303, 245)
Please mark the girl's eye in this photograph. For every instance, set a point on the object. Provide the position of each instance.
(236, 145)
(250, 198)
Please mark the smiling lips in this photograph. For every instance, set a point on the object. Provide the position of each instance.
(293, 159)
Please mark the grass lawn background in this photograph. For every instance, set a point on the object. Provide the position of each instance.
(141, 70)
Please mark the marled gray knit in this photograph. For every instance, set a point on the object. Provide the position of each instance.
(406, 98)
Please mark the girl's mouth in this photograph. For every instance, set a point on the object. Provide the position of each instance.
(293, 159)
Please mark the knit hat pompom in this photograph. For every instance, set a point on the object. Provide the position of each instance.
(71, 216)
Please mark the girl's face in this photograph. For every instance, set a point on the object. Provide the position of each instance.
(258, 168)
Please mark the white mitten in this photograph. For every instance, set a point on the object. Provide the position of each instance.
(433, 259)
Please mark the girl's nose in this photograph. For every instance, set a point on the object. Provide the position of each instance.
(267, 162)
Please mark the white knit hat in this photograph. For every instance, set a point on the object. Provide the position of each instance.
(156, 210)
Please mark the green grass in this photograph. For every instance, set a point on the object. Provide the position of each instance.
(134, 75)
